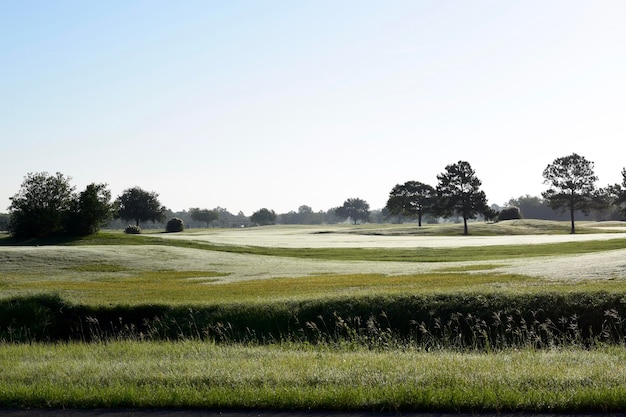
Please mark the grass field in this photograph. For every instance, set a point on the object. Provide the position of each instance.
(519, 316)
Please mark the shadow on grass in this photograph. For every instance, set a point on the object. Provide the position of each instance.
(8, 240)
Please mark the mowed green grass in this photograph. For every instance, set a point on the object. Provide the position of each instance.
(195, 288)
(280, 377)
(96, 282)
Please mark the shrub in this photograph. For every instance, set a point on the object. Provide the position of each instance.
(510, 213)
(131, 229)
(174, 225)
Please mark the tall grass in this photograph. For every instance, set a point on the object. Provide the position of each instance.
(461, 322)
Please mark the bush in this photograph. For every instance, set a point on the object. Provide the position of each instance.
(131, 229)
(510, 213)
(174, 225)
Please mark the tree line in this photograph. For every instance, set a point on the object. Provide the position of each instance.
(48, 205)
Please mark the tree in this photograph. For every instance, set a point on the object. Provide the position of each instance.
(411, 199)
(510, 213)
(619, 192)
(204, 215)
(140, 206)
(4, 221)
(41, 205)
(571, 181)
(458, 193)
(91, 209)
(355, 209)
(263, 217)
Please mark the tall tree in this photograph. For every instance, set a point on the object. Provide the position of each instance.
(204, 215)
(411, 199)
(458, 193)
(41, 205)
(354, 208)
(91, 209)
(571, 181)
(140, 206)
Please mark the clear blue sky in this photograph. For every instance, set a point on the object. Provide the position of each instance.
(278, 104)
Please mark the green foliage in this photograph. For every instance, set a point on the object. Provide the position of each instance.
(411, 199)
(40, 207)
(5, 219)
(174, 225)
(458, 192)
(263, 217)
(510, 213)
(204, 215)
(140, 206)
(356, 209)
(47, 205)
(91, 209)
(132, 229)
(618, 192)
(572, 185)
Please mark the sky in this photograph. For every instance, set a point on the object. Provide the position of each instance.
(278, 104)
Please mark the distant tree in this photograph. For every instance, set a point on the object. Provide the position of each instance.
(619, 193)
(90, 210)
(263, 217)
(140, 206)
(571, 181)
(41, 205)
(510, 213)
(355, 209)
(532, 207)
(411, 199)
(458, 193)
(4, 221)
(204, 215)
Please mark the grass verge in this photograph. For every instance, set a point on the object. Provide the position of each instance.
(198, 374)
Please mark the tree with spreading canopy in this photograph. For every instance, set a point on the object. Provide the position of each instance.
(458, 193)
(263, 217)
(355, 209)
(40, 206)
(204, 215)
(411, 199)
(47, 205)
(571, 181)
(140, 206)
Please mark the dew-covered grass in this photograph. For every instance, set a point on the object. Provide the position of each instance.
(198, 374)
(232, 319)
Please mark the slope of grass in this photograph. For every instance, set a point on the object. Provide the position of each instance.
(421, 254)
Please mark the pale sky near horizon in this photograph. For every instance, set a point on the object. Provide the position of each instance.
(278, 104)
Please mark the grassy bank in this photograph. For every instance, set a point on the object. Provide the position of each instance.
(198, 374)
(458, 321)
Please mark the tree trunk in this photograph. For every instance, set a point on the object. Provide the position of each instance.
(571, 214)
(465, 232)
(419, 220)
